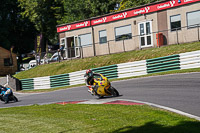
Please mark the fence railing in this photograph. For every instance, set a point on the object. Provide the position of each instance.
(179, 35)
(137, 68)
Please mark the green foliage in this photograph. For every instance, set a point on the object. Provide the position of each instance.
(76, 10)
(15, 30)
(125, 4)
(44, 14)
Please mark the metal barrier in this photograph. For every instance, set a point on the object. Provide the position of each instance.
(59, 80)
(130, 69)
(123, 70)
(27, 84)
(162, 64)
(108, 71)
(190, 60)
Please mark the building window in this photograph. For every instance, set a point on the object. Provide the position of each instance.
(7, 62)
(102, 36)
(193, 19)
(175, 22)
(85, 39)
(122, 33)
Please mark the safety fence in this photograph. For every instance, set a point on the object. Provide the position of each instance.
(173, 62)
(162, 64)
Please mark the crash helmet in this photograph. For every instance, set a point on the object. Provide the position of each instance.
(89, 73)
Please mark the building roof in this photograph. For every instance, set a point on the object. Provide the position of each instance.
(1, 48)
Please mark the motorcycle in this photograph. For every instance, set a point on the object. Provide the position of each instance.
(11, 97)
(104, 87)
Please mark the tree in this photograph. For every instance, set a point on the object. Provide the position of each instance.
(15, 31)
(44, 14)
(125, 4)
(76, 10)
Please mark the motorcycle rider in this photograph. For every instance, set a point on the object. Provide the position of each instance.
(5, 92)
(89, 80)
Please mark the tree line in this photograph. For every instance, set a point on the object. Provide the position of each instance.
(22, 20)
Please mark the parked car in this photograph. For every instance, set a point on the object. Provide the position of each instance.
(32, 64)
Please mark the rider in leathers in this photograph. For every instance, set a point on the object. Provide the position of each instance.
(5, 92)
(89, 80)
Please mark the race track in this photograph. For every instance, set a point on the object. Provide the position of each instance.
(178, 91)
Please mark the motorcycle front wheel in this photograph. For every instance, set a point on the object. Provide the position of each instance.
(15, 99)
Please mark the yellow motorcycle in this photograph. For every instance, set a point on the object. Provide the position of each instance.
(104, 87)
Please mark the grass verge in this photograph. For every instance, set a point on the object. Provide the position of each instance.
(93, 62)
(76, 118)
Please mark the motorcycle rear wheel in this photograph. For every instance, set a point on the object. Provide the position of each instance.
(114, 92)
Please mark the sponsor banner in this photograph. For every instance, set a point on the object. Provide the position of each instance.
(128, 14)
(73, 26)
(38, 43)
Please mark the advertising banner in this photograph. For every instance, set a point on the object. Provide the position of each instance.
(38, 44)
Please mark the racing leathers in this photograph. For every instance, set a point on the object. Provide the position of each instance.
(89, 80)
(5, 92)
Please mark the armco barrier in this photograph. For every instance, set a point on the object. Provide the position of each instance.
(190, 60)
(27, 84)
(77, 77)
(108, 71)
(59, 80)
(162, 64)
(123, 70)
(42, 82)
(130, 69)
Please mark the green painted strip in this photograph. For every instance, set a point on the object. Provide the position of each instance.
(59, 80)
(108, 71)
(164, 63)
(162, 58)
(59, 84)
(162, 66)
(62, 75)
(27, 84)
(164, 69)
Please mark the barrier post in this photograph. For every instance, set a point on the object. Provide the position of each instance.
(108, 48)
(177, 35)
(123, 46)
(198, 31)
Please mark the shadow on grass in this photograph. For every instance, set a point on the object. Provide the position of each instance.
(152, 127)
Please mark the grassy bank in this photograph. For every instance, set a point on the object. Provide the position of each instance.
(94, 118)
(93, 62)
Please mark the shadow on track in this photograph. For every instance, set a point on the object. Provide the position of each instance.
(106, 97)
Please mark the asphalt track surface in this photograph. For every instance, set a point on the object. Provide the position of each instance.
(177, 91)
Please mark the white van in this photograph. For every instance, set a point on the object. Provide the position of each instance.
(32, 64)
